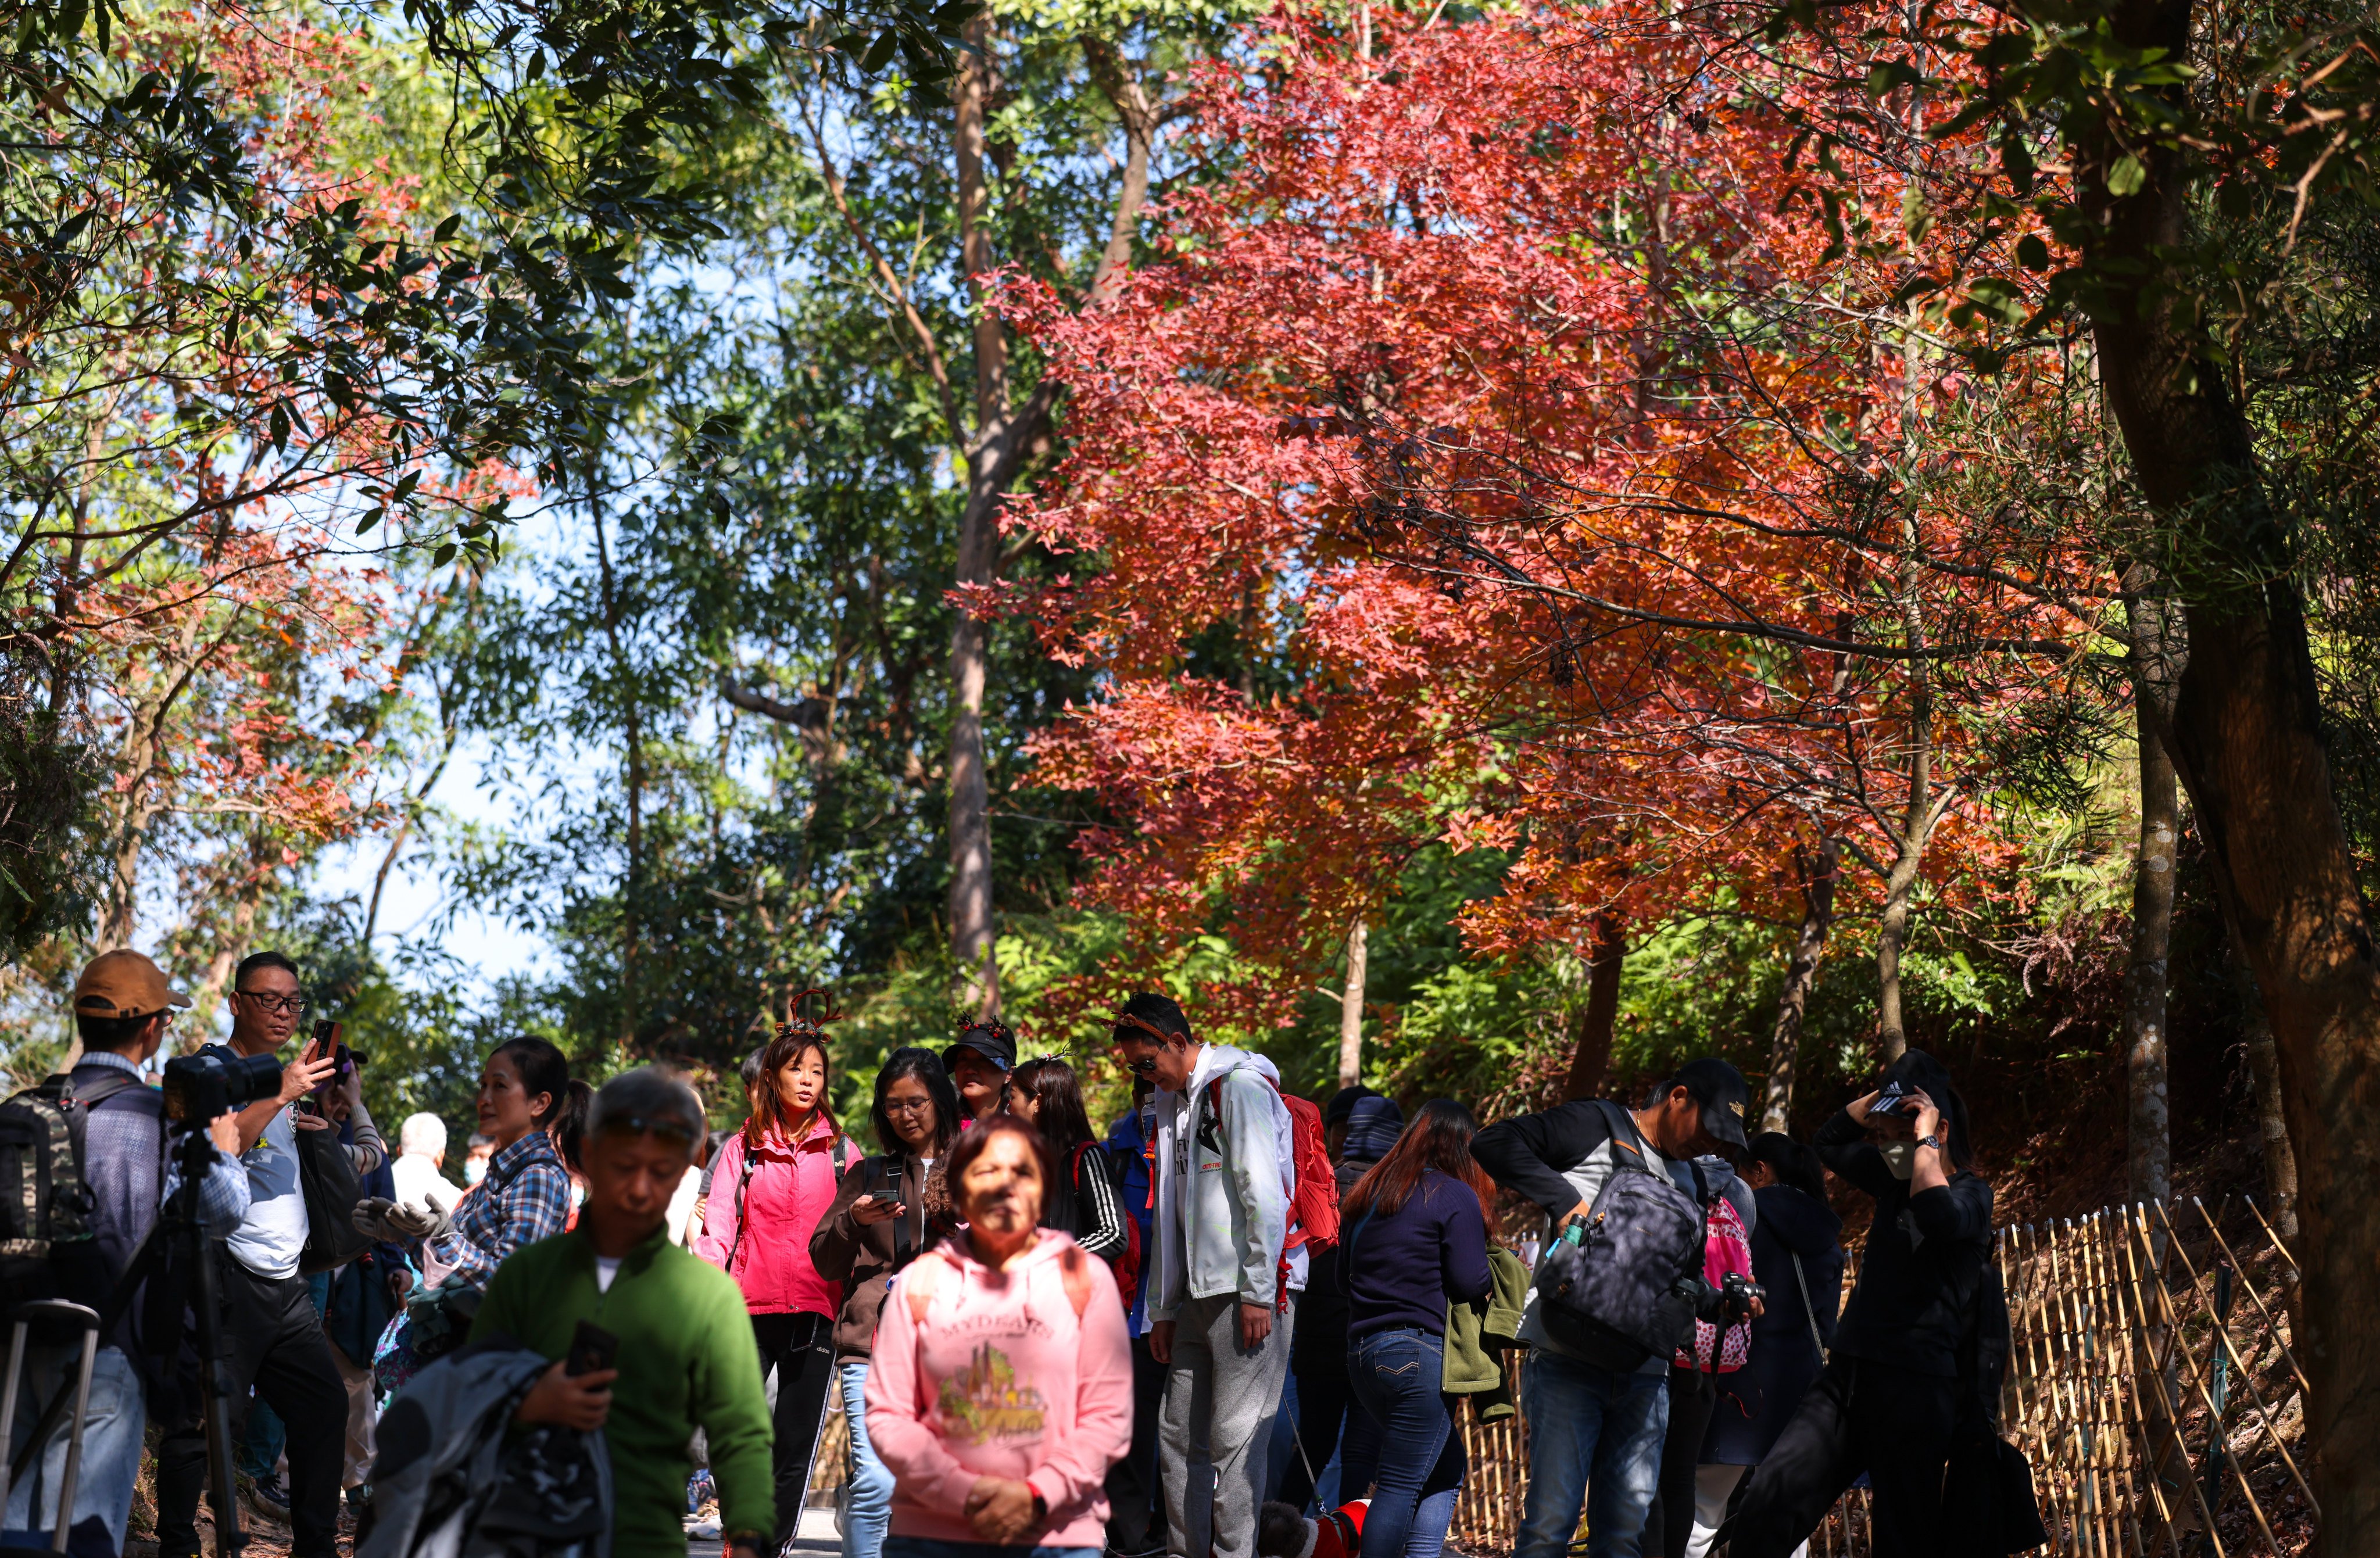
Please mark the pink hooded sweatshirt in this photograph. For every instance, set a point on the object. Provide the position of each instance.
(790, 1188)
(1023, 1373)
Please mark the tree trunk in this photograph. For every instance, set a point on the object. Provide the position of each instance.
(2271, 1119)
(632, 879)
(978, 972)
(1351, 1010)
(2149, 1130)
(1801, 977)
(1591, 1051)
(2247, 739)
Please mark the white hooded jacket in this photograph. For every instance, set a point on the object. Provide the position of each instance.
(1223, 1202)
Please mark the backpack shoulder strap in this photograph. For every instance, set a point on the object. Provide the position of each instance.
(1625, 1138)
(1074, 1269)
(99, 1090)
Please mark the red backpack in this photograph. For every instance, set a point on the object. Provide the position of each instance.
(1314, 1203)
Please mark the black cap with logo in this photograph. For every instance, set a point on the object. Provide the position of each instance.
(1720, 1089)
(989, 1037)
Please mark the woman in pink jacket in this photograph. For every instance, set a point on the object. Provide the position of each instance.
(776, 1179)
(1001, 1388)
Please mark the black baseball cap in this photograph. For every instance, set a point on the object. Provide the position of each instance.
(1720, 1089)
(993, 1040)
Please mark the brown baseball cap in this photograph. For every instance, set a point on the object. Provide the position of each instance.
(124, 983)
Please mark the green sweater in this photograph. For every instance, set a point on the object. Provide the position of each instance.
(687, 1361)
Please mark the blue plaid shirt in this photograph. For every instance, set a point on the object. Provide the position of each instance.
(526, 1197)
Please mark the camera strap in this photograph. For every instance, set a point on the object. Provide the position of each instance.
(1809, 1309)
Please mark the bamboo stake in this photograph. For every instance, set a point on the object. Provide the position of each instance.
(2265, 1413)
(2134, 1248)
(2271, 1321)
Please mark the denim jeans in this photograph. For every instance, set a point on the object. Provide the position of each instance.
(1407, 1430)
(111, 1449)
(1595, 1439)
(868, 1515)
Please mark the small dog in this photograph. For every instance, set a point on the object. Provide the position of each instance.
(1282, 1532)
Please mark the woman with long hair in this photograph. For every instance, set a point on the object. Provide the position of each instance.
(1082, 1200)
(889, 1210)
(1001, 1390)
(1888, 1401)
(1413, 1239)
(776, 1178)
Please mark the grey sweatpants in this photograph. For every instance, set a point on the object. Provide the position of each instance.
(1220, 1406)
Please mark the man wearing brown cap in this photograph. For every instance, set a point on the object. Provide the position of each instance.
(122, 1005)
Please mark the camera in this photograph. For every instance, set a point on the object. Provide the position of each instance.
(1892, 1100)
(199, 1087)
(1737, 1293)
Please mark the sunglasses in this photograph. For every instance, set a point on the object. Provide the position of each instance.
(1142, 1068)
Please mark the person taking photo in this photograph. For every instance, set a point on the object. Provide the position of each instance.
(1215, 1266)
(273, 1334)
(683, 1358)
(887, 1210)
(1596, 1433)
(122, 1006)
(776, 1178)
(1888, 1398)
(1001, 1391)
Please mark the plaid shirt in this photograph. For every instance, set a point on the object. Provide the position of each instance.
(525, 1198)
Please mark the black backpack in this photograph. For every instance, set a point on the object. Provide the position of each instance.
(1625, 1291)
(48, 1247)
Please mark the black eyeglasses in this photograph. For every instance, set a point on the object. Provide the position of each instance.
(907, 1105)
(267, 1001)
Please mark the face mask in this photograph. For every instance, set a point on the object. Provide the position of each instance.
(1901, 1157)
(473, 1170)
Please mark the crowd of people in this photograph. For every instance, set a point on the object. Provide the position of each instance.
(1239, 1323)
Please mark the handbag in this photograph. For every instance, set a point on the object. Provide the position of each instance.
(327, 1178)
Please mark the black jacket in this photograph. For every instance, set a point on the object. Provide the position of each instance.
(1759, 1399)
(1923, 1269)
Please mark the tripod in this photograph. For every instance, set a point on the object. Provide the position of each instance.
(176, 1233)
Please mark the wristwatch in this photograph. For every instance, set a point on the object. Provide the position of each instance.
(1932, 1141)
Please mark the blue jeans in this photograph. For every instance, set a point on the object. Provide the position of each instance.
(868, 1515)
(927, 1547)
(1405, 1428)
(1595, 1439)
(110, 1450)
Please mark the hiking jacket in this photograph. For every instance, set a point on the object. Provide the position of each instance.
(1223, 1187)
(1023, 1373)
(863, 1257)
(1128, 1147)
(775, 1209)
(1479, 1332)
(450, 1476)
(687, 1361)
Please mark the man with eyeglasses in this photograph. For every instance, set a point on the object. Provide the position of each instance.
(273, 1333)
(1218, 1271)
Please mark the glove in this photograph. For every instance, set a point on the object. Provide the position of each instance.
(425, 1222)
(392, 1223)
(371, 1218)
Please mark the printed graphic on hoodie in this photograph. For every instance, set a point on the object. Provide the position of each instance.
(984, 1402)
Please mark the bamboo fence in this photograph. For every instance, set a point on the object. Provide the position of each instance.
(2150, 1382)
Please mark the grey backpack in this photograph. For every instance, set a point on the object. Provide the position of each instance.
(1621, 1287)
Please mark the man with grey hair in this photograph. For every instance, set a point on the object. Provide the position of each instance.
(421, 1154)
(676, 1327)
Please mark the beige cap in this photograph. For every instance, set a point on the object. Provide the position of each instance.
(124, 983)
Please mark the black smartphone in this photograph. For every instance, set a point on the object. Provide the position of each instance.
(591, 1347)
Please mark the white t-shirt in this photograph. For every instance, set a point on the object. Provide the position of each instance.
(420, 1186)
(606, 1268)
(272, 1236)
